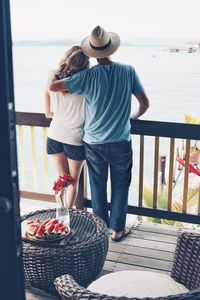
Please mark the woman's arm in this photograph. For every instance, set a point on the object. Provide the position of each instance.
(47, 101)
(47, 105)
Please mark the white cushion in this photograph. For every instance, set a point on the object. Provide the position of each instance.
(138, 284)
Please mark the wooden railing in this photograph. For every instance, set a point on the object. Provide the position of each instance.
(144, 129)
(31, 121)
(172, 131)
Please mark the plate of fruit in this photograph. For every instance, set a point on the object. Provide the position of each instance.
(49, 230)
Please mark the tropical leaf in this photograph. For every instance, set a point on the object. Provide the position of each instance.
(192, 199)
(162, 199)
(190, 119)
(168, 222)
(155, 220)
(148, 195)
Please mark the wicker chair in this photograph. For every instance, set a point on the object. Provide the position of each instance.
(185, 270)
(83, 256)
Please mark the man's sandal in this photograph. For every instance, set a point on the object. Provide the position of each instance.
(122, 235)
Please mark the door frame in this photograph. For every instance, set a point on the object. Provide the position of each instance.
(11, 265)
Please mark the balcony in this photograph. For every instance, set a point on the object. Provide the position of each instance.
(164, 189)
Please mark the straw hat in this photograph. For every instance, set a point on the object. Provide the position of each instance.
(100, 43)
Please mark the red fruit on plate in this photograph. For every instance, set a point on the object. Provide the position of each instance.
(37, 220)
(29, 221)
(35, 224)
(53, 221)
(56, 228)
(46, 221)
(38, 235)
(31, 229)
(41, 230)
(63, 228)
(50, 228)
(50, 221)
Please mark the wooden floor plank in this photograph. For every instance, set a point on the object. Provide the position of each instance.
(151, 253)
(121, 267)
(160, 228)
(154, 236)
(36, 294)
(151, 244)
(140, 261)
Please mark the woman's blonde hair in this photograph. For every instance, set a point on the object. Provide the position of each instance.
(73, 61)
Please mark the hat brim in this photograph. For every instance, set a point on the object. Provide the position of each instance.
(89, 51)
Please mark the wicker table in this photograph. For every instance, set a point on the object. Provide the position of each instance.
(83, 256)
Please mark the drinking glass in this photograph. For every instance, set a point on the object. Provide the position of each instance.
(62, 212)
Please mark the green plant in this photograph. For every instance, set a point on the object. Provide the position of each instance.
(190, 119)
(162, 203)
(195, 147)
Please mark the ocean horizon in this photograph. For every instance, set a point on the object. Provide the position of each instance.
(125, 42)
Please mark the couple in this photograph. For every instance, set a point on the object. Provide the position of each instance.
(107, 89)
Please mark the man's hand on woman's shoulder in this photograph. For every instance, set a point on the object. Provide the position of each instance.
(56, 85)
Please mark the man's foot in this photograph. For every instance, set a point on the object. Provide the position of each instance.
(118, 236)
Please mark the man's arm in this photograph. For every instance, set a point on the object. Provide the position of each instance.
(143, 105)
(55, 85)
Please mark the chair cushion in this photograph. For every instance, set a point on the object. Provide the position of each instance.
(138, 284)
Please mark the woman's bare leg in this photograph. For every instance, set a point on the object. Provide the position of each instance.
(75, 167)
(61, 164)
(64, 165)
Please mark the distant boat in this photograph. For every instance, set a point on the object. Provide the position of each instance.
(189, 47)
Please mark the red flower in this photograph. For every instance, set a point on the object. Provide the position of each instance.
(63, 181)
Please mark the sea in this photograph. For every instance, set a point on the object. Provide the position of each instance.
(171, 81)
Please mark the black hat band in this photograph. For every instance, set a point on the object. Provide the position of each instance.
(101, 47)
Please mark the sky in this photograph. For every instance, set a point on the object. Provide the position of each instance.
(63, 19)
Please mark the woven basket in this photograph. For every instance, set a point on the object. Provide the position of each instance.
(83, 256)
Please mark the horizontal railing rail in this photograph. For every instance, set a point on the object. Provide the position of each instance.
(165, 129)
(144, 129)
(139, 127)
(32, 119)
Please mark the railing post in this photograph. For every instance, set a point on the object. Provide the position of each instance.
(141, 171)
(171, 173)
(186, 176)
(155, 183)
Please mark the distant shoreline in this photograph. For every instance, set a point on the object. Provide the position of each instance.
(137, 42)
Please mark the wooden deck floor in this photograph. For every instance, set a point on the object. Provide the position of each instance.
(149, 247)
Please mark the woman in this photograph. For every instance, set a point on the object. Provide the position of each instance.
(65, 134)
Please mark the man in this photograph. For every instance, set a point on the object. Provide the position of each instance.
(107, 88)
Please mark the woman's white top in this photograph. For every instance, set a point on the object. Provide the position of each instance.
(68, 118)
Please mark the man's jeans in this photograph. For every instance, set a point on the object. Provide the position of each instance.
(118, 157)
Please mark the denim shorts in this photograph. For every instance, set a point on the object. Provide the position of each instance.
(70, 151)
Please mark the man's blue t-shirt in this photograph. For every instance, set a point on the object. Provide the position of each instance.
(108, 91)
